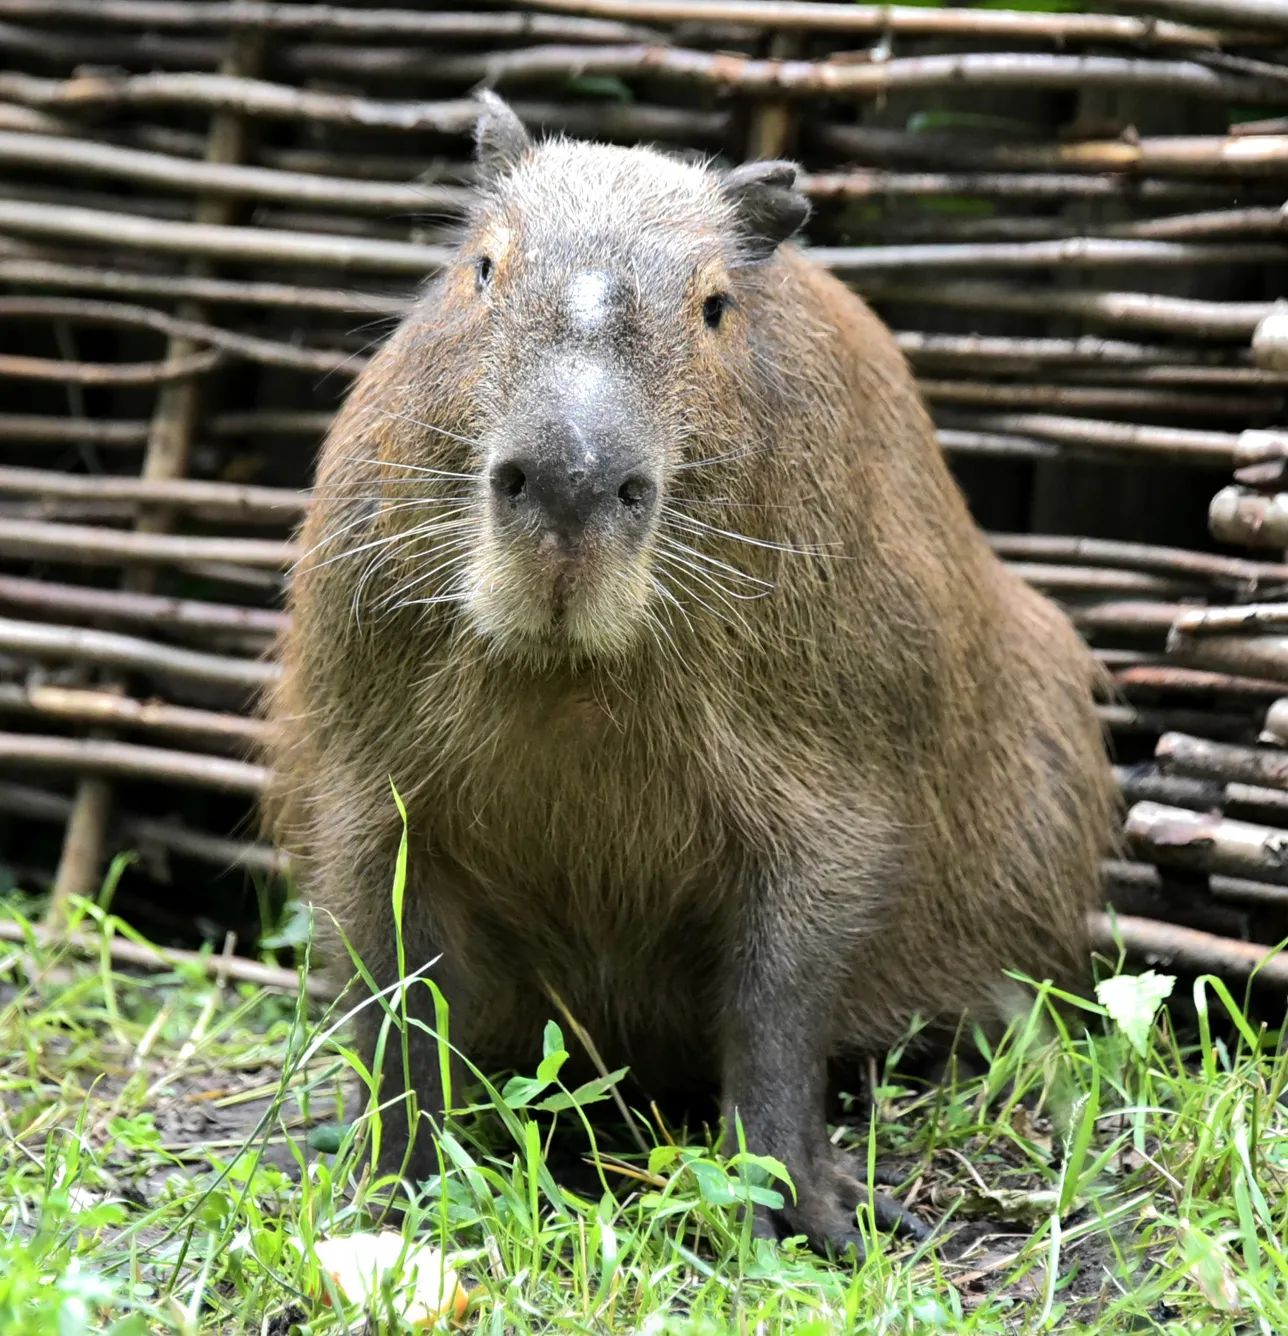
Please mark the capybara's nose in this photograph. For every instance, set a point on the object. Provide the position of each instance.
(570, 491)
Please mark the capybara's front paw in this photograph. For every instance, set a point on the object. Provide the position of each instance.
(828, 1197)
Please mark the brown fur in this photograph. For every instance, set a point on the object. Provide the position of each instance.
(738, 835)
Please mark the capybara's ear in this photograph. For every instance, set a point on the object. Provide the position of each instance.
(500, 139)
(768, 205)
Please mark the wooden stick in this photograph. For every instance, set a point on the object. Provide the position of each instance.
(129, 652)
(107, 707)
(80, 543)
(1183, 444)
(337, 21)
(1249, 519)
(268, 352)
(118, 374)
(126, 952)
(1249, 617)
(1098, 399)
(245, 96)
(1230, 571)
(38, 429)
(857, 183)
(1276, 724)
(24, 800)
(233, 501)
(1198, 758)
(1154, 677)
(1135, 616)
(1226, 725)
(111, 605)
(1188, 949)
(127, 760)
(1254, 13)
(1145, 876)
(995, 444)
(1070, 252)
(1089, 350)
(1138, 310)
(832, 78)
(1214, 223)
(1204, 795)
(1186, 155)
(1263, 656)
(218, 291)
(388, 24)
(1206, 843)
(1061, 578)
(227, 179)
(258, 245)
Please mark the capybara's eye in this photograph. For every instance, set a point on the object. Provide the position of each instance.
(483, 269)
(713, 309)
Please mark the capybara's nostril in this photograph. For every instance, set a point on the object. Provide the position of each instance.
(509, 482)
(636, 492)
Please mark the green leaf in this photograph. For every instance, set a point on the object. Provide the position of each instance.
(601, 86)
(520, 1091)
(554, 1055)
(552, 1040)
(327, 1138)
(765, 1197)
(1077, 1154)
(589, 1093)
(662, 1157)
(1133, 1002)
(713, 1183)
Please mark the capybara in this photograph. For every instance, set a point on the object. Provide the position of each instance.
(635, 565)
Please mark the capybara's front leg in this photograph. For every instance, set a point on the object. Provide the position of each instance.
(776, 1033)
(405, 1053)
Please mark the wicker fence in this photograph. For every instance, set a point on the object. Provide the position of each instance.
(209, 211)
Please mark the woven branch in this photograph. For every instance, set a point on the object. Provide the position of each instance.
(1251, 617)
(1229, 155)
(107, 707)
(31, 803)
(1085, 399)
(80, 543)
(128, 760)
(1234, 572)
(13, 366)
(268, 352)
(212, 241)
(115, 606)
(231, 500)
(49, 152)
(1177, 947)
(129, 652)
(337, 21)
(1141, 310)
(1152, 677)
(214, 290)
(1199, 758)
(836, 78)
(1204, 843)
(334, 20)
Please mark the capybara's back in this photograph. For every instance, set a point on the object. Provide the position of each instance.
(635, 565)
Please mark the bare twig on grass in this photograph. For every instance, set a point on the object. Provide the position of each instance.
(124, 951)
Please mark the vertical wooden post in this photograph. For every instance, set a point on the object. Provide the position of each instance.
(169, 445)
(772, 131)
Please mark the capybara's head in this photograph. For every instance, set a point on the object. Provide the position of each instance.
(605, 292)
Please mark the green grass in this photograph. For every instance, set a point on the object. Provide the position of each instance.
(172, 1149)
